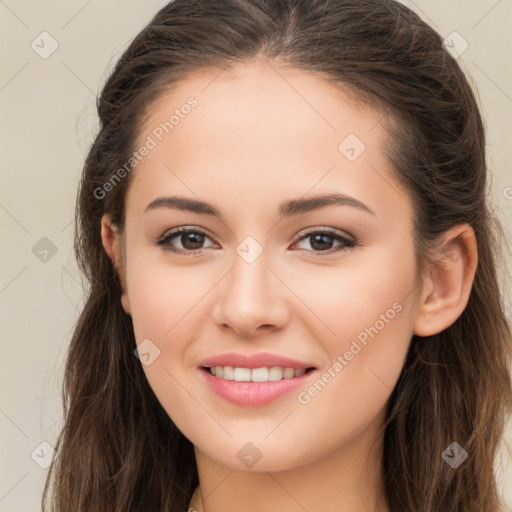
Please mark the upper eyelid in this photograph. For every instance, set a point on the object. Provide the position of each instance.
(324, 229)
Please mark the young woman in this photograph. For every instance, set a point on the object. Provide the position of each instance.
(294, 272)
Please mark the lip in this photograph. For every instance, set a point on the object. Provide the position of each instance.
(258, 360)
(253, 394)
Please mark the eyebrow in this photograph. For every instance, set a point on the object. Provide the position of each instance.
(286, 209)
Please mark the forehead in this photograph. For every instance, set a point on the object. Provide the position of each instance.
(262, 94)
(263, 131)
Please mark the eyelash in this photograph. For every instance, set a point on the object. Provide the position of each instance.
(165, 240)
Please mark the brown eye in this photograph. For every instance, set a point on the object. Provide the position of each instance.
(191, 240)
(323, 240)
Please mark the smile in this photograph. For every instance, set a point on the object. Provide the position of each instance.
(250, 392)
(263, 374)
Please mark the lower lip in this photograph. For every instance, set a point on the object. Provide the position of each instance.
(253, 393)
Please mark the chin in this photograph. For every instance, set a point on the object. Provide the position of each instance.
(267, 459)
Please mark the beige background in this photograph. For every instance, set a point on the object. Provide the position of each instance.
(47, 121)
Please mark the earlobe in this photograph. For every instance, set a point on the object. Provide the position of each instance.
(110, 238)
(446, 291)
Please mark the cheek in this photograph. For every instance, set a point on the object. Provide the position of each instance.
(359, 300)
(162, 296)
(364, 362)
(366, 329)
(167, 310)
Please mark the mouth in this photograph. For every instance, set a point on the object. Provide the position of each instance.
(262, 374)
(255, 387)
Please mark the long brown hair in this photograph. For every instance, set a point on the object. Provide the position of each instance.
(118, 449)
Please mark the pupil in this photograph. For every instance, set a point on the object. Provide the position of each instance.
(320, 237)
(196, 244)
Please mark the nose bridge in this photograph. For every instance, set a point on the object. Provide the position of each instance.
(250, 296)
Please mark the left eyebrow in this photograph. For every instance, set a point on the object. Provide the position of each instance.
(286, 209)
(298, 206)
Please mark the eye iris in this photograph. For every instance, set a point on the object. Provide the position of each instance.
(320, 236)
(196, 238)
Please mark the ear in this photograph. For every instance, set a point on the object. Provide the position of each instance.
(446, 291)
(112, 243)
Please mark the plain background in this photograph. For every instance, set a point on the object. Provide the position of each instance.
(47, 122)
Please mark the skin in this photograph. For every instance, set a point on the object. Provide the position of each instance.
(252, 142)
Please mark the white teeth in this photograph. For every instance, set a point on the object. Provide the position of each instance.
(242, 374)
(259, 374)
(276, 373)
(228, 373)
(288, 373)
(262, 374)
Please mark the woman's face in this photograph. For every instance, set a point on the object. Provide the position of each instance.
(262, 146)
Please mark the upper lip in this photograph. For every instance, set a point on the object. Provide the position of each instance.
(259, 360)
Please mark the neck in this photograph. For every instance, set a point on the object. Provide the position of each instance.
(347, 479)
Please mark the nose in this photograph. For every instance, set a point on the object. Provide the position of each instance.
(252, 299)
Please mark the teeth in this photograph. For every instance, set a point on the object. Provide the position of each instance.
(288, 373)
(242, 374)
(277, 373)
(228, 373)
(256, 374)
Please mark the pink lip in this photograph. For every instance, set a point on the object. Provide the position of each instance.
(253, 393)
(260, 360)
